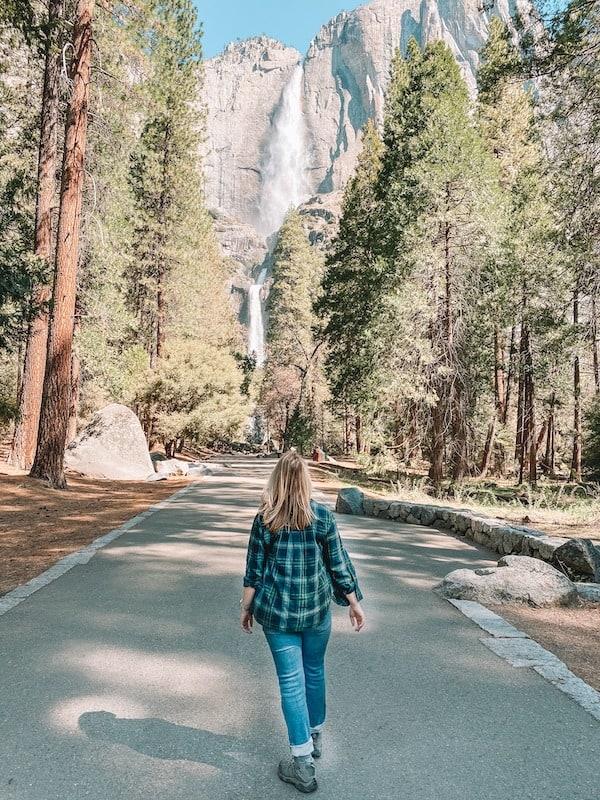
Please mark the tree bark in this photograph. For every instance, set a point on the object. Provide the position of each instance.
(595, 357)
(489, 445)
(358, 432)
(438, 443)
(56, 398)
(528, 453)
(75, 391)
(576, 457)
(32, 382)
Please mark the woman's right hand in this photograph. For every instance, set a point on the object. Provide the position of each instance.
(357, 616)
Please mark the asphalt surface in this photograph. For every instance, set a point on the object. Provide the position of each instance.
(128, 678)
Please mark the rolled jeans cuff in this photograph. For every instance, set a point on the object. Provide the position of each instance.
(302, 749)
(316, 728)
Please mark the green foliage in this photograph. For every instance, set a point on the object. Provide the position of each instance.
(18, 152)
(352, 302)
(292, 372)
(194, 394)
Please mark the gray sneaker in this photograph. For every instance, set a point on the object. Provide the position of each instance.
(301, 775)
(317, 744)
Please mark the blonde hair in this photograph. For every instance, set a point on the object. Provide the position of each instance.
(286, 499)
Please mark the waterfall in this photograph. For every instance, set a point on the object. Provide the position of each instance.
(256, 332)
(284, 185)
(285, 171)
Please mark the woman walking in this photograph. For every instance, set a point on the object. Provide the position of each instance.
(296, 564)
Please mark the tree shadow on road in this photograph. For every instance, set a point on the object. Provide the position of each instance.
(161, 739)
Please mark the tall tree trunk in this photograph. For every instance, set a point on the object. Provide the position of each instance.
(75, 391)
(487, 450)
(501, 399)
(460, 467)
(512, 351)
(32, 382)
(549, 458)
(528, 453)
(499, 374)
(438, 443)
(576, 457)
(56, 398)
(595, 357)
(358, 432)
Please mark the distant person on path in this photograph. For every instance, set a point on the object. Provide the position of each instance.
(296, 564)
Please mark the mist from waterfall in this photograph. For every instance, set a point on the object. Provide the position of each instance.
(284, 185)
(285, 173)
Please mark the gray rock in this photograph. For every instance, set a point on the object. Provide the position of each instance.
(112, 446)
(203, 469)
(579, 558)
(509, 584)
(590, 592)
(350, 501)
(527, 564)
(171, 467)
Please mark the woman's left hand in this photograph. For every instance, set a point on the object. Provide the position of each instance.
(246, 620)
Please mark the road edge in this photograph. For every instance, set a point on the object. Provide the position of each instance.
(520, 650)
(16, 596)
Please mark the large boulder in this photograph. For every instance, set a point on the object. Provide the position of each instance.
(579, 559)
(112, 446)
(350, 501)
(516, 579)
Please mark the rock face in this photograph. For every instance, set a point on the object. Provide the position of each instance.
(286, 131)
(242, 89)
(345, 73)
(520, 580)
(112, 446)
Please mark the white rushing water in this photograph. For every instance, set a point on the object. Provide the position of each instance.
(256, 332)
(284, 185)
(285, 171)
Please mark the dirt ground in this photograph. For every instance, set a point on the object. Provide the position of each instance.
(39, 526)
(572, 634)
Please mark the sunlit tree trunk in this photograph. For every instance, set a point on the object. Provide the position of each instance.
(576, 456)
(32, 380)
(54, 418)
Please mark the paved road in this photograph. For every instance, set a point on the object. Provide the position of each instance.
(127, 678)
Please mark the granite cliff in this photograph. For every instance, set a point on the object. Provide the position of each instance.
(341, 85)
(284, 130)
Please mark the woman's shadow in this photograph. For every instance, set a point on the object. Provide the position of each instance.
(160, 739)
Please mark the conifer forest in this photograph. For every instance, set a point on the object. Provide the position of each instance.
(446, 328)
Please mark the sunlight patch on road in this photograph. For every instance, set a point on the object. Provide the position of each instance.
(64, 716)
(170, 674)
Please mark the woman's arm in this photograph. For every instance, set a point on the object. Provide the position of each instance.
(246, 617)
(255, 561)
(343, 575)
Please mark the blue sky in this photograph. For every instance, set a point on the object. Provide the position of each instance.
(294, 22)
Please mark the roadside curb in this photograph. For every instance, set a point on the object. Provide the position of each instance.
(12, 599)
(520, 650)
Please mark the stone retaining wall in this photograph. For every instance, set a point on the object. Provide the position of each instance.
(496, 534)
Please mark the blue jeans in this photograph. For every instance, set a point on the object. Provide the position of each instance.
(300, 663)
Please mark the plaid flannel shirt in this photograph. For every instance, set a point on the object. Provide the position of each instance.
(297, 573)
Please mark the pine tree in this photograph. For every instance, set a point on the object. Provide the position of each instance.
(56, 399)
(293, 365)
(30, 395)
(352, 301)
(164, 169)
(439, 190)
